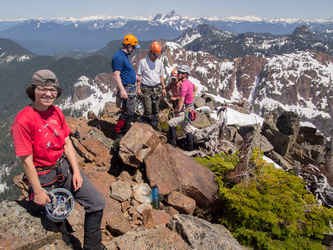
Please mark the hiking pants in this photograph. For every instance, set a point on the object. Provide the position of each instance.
(128, 108)
(152, 97)
(185, 127)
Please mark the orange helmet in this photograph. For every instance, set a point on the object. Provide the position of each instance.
(155, 47)
(130, 39)
(174, 74)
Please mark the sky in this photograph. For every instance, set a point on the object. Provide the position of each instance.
(47, 9)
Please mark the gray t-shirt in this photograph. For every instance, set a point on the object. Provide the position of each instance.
(150, 71)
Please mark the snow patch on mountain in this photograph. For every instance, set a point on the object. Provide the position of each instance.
(188, 39)
(94, 102)
(309, 111)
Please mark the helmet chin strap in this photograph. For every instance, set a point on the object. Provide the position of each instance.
(128, 53)
(181, 79)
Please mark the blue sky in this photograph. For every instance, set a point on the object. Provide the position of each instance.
(304, 9)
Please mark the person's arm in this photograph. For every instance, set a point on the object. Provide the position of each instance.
(195, 90)
(163, 86)
(120, 86)
(31, 173)
(138, 82)
(180, 105)
(70, 154)
(167, 88)
(139, 76)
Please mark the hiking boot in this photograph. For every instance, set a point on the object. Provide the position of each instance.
(117, 136)
(189, 142)
(92, 231)
(172, 136)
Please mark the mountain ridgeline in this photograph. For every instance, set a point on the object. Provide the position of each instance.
(228, 45)
(47, 37)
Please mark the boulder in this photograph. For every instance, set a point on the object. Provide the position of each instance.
(281, 142)
(198, 102)
(152, 218)
(201, 234)
(182, 203)
(99, 147)
(110, 110)
(158, 237)
(210, 101)
(259, 140)
(138, 143)
(211, 105)
(172, 170)
(310, 135)
(239, 109)
(121, 190)
(23, 225)
(201, 121)
(278, 159)
(289, 123)
(73, 122)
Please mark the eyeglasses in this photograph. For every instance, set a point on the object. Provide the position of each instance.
(156, 55)
(44, 90)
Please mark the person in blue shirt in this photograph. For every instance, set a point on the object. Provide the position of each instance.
(125, 77)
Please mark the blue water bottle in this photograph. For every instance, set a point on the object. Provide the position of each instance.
(155, 197)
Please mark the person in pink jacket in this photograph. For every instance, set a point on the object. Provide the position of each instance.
(185, 104)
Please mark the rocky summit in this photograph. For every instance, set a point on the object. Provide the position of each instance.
(124, 172)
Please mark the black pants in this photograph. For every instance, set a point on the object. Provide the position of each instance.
(128, 111)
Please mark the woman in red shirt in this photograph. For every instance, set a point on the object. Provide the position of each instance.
(41, 139)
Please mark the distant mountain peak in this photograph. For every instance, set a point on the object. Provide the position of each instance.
(303, 31)
(169, 15)
(157, 17)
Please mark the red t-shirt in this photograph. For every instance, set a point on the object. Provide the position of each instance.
(41, 134)
(175, 88)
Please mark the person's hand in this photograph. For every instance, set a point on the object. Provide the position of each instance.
(163, 92)
(123, 94)
(179, 114)
(139, 91)
(77, 181)
(41, 197)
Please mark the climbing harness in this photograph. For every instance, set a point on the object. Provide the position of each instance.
(60, 177)
(190, 116)
(61, 205)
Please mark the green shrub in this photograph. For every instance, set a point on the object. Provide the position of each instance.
(221, 165)
(271, 209)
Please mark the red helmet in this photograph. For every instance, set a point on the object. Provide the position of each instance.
(174, 74)
(155, 47)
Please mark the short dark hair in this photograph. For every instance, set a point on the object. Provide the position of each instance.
(30, 91)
